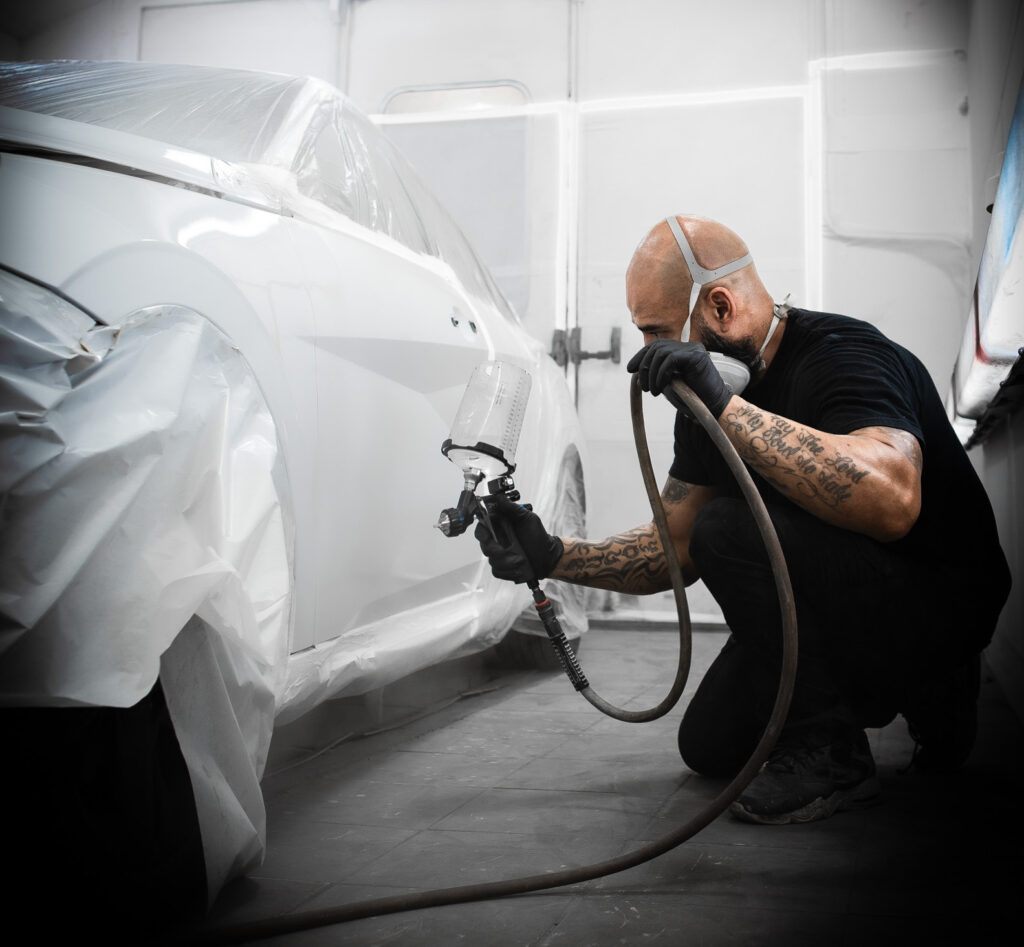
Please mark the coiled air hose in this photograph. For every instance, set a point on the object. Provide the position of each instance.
(290, 923)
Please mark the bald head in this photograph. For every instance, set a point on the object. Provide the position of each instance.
(731, 310)
(659, 259)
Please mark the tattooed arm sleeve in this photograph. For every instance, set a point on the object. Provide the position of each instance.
(634, 561)
(868, 481)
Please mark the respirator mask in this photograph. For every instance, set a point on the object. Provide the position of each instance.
(735, 373)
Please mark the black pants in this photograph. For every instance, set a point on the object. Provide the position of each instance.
(873, 626)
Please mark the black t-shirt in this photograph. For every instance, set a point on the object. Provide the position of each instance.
(838, 375)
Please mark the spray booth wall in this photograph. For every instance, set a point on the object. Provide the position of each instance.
(835, 136)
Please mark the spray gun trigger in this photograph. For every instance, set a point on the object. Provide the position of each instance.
(484, 515)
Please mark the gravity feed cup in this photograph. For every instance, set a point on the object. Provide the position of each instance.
(485, 432)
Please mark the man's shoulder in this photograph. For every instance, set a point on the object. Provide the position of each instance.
(833, 347)
(843, 336)
(824, 324)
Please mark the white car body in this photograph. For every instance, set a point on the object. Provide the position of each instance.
(261, 383)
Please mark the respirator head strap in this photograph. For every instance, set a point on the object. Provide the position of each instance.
(779, 313)
(698, 274)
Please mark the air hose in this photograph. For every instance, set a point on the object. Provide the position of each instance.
(546, 612)
(290, 923)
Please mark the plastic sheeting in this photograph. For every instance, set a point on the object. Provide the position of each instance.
(142, 488)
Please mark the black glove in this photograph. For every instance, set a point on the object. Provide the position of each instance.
(523, 551)
(664, 359)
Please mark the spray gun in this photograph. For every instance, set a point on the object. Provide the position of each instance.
(483, 441)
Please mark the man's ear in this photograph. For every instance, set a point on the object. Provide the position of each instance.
(723, 304)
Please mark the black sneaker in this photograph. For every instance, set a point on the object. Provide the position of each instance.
(804, 783)
(942, 718)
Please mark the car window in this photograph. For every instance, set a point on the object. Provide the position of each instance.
(344, 165)
(450, 244)
(389, 196)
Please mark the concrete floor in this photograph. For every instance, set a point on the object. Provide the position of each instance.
(527, 777)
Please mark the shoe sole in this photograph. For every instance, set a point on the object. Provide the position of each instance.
(842, 800)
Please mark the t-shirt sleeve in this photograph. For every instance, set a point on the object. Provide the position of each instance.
(858, 382)
(697, 459)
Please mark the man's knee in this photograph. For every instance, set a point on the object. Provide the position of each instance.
(704, 751)
(722, 722)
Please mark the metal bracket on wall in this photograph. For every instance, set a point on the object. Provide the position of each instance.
(565, 347)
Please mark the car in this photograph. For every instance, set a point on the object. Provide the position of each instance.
(236, 328)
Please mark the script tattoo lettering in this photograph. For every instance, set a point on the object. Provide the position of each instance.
(793, 459)
(776, 439)
(810, 441)
(805, 465)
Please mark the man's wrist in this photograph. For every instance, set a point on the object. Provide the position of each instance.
(727, 406)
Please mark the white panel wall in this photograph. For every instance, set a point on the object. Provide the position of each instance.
(92, 33)
(897, 202)
(855, 27)
(653, 47)
(299, 37)
(400, 43)
(304, 37)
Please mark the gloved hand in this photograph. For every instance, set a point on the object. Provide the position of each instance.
(524, 550)
(658, 362)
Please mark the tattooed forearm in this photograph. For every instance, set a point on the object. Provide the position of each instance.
(795, 459)
(868, 480)
(632, 562)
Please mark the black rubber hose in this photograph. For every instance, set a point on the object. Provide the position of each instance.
(675, 573)
(306, 920)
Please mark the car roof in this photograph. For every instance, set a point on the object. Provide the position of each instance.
(231, 114)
